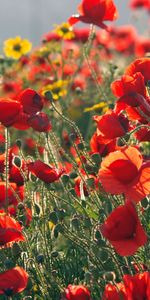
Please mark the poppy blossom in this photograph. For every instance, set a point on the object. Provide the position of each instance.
(13, 281)
(11, 88)
(81, 34)
(10, 231)
(95, 12)
(31, 101)
(25, 211)
(133, 287)
(101, 148)
(40, 122)
(116, 292)
(129, 84)
(137, 286)
(123, 230)
(123, 39)
(9, 110)
(123, 171)
(77, 292)
(135, 4)
(21, 121)
(139, 65)
(50, 36)
(143, 134)
(136, 106)
(18, 174)
(118, 123)
(81, 187)
(13, 193)
(142, 47)
(45, 172)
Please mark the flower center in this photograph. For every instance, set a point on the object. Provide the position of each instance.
(17, 47)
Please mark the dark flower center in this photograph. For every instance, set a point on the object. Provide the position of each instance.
(17, 47)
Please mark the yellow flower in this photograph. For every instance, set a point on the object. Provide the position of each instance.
(51, 225)
(102, 107)
(16, 47)
(65, 31)
(58, 89)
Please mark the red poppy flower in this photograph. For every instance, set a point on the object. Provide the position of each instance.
(133, 287)
(81, 34)
(40, 122)
(95, 12)
(31, 101)
(21, 121)
(136, 106)
(143, 135)
(123, 230)
(118, 123)
(142, 47)
(11, 89)
(13, 281)
(138, 286)
(123, 38)
(9, 110)
(102, 149)
(140, 4)
(18, 174)
(80, 186)
(10, 231)
(50, 36)
(12, 193)
(26, 212)
(123, 171)
(139, 65)
(77, 292)
(116, 292)
(129, 84)
(45, 172)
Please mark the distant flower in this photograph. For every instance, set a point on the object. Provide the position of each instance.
(16, 47)
(136, 4)
(102, 107)
(76, 292)
(13, 281)
(115, 292)
(58, 89)
(65, 31)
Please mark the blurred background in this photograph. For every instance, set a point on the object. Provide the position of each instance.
(31, 18)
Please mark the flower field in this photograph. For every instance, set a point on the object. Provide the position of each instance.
(75, 160)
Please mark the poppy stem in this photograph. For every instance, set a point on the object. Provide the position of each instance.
(6, 173)
(86, 49)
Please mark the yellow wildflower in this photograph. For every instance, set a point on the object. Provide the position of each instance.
(102, 107)
(58, 89)
(51, 225)
(16, 47)
(65, 31)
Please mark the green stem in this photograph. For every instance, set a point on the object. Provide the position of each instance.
(6, 173)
